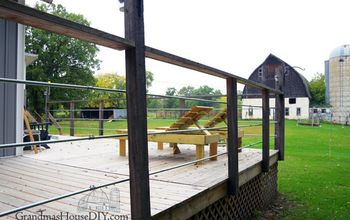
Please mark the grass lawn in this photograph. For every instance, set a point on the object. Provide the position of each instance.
(316, 171)
(315, 175)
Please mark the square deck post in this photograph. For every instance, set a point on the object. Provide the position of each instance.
(266, 130)
(232, 135)
(137, 111)
(280, 111)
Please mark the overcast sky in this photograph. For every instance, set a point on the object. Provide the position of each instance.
(234, 36)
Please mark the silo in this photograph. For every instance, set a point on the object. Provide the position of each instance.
(338, 83)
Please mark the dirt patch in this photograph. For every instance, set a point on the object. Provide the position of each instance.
(279, 208)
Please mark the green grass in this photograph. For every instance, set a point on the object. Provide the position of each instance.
(85, 128)
(316, 171)
(315, 175)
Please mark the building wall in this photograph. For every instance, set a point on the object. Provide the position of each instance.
(339, 88)
(301, 102)
(11, 95)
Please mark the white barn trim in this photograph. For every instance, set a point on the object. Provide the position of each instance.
(299, 110)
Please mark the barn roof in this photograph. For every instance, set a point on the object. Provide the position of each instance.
(295, 84)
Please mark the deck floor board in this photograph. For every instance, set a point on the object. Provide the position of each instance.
(68, 167)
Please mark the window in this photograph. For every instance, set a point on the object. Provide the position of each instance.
(250, 111)
(324, 110)
(286, 112)
(292, 100)
(315, 110)
(260, 72)
(298, 111)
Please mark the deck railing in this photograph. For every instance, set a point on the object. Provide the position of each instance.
(135, 53)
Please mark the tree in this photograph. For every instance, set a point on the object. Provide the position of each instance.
(200, 92)
(318, 90)
(171, 102)
(149, 79)
(112, 99)
(189, 91)
(113, 81)
(61, 59)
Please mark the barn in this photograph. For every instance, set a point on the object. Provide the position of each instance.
(296, 90)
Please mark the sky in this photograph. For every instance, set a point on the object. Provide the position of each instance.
(230, 35)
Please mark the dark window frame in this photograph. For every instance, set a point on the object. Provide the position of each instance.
(286, 111)
(292, 101)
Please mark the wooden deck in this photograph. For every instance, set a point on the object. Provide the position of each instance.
(68, 167)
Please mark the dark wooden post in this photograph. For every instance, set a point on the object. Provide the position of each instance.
(266, 130)
(232, 136)
(279, 112)
(100, 117)
(137, 113)
(71, 107)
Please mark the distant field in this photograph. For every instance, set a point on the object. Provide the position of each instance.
(85, 128)
(315, 175)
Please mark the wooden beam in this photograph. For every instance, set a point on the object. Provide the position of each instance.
(122, 147)
(199, 153)
(232, 135)
(189, 64)
(160, 145)
(213, 151)
(100, 116)
(279, 112)
(30, 132)
(184, 138)
(28, 16)
(136, 111)
(265, 130)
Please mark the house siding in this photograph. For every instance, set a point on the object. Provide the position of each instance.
(8, 92)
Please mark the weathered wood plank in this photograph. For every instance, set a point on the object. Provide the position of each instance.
(213, 151)
(232, 135)
(184, 138)
(265, 130)
(280, 111)
(136, 111)
(28, 16)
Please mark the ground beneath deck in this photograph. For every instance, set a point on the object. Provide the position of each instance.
(72, 166)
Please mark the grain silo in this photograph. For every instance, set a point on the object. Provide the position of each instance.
(337, 74)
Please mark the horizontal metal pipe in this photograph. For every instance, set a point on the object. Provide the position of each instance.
(59, 85)
(11, 145)
(73, 86)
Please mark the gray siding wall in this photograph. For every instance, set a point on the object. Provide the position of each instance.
(8, 69)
